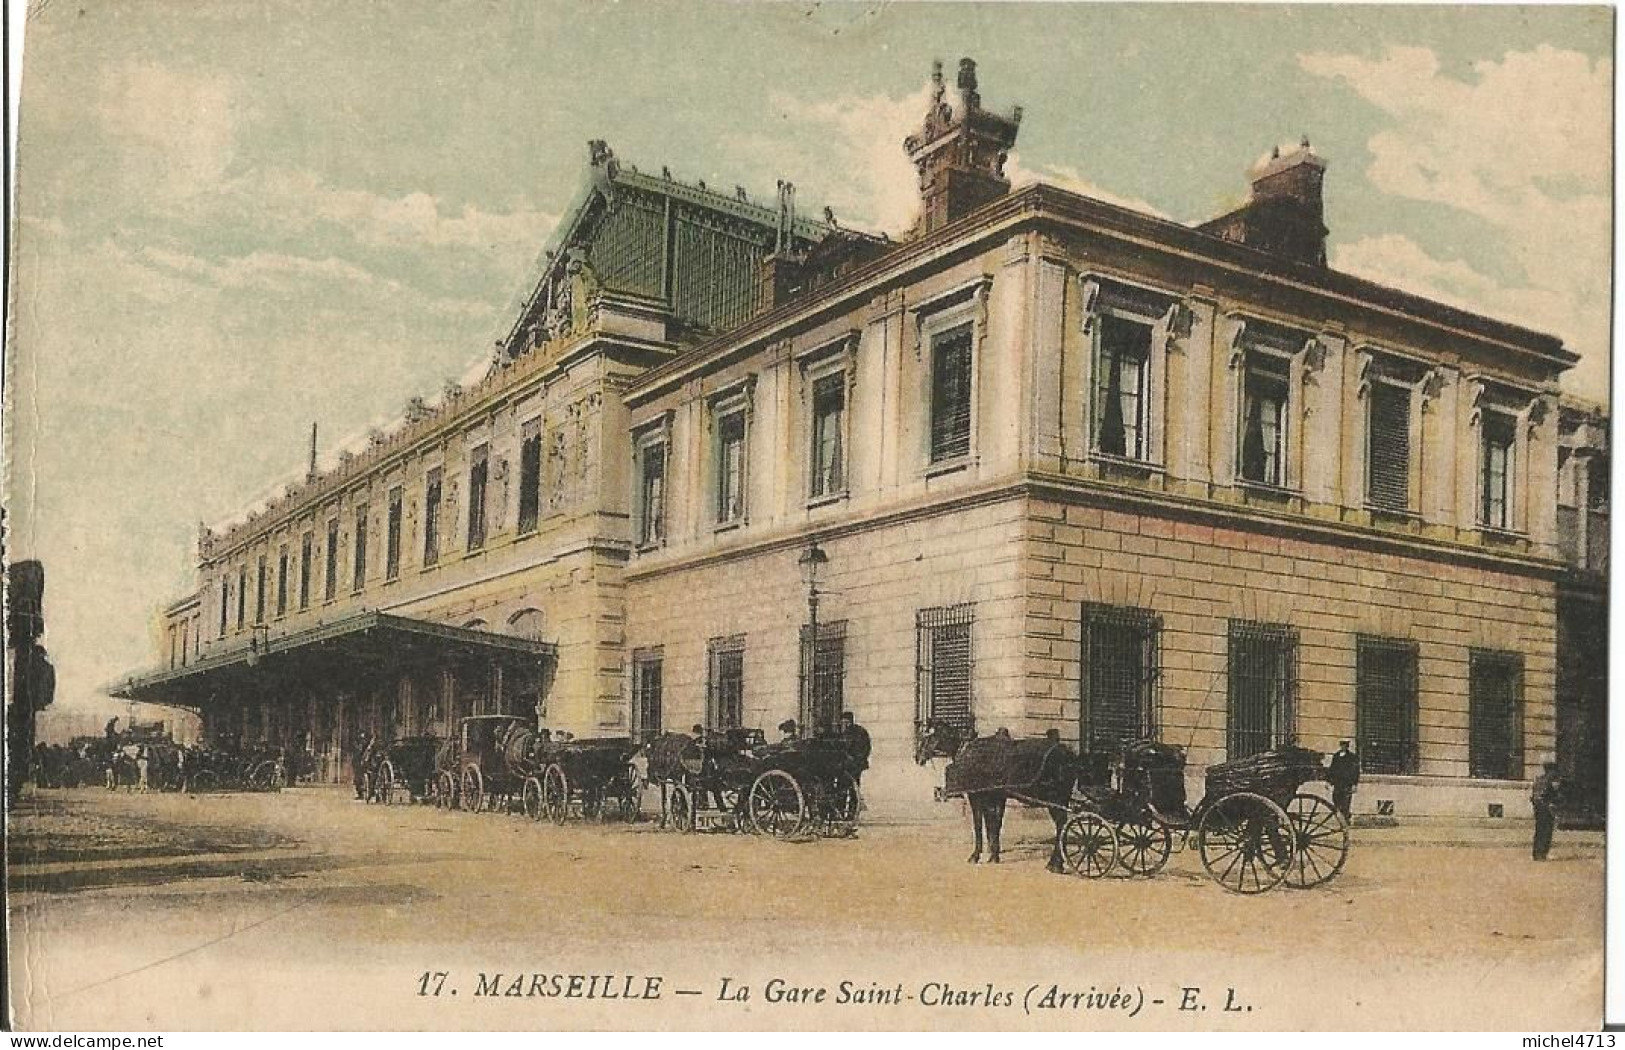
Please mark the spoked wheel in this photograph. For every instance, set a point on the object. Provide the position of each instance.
(1246, 843)
(680, 808)
(1320, 843)
(531, 798)
(777, 805)
(630, 796)
(472, 796)
(384, 787)
(203, 780)
(1143, 848)
(556, 794)
(840, 804)
(445, 791)
(1089, 846)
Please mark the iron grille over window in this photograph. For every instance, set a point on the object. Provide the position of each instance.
(1388, 449)
(1495, 508)
(242, 595)
(477, 474)
(725, 682)
(646, 689)
(950, 393)
(259, 592)
(1263, 438)
(1263, 686)
(431, 518)
(225, 599)
(307, 544)
(731, 467)
(1120, 405)
(282, 582)
(1385, 688)
(1120, 675)
(530, 475)
(330, 585)
(1494, 710)
(943, 665)
(824, 697)
(828, 457)
(652, 494)
(359, 566)
(392, 537)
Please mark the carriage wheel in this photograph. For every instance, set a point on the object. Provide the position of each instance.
(631, 798)
(777, 806)
(556, 794)
(445, 790)
(530, 798)
(203, 780)
(1246, 843)
(1089, 846)
(680, 808)
(841, 803)
(1143, 848)
(472, 796)
(1320, 841)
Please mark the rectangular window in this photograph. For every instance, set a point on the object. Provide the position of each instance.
(530, 475)
(359, 565)
(652, 494)
(1388, 447)
(282, 582)
(1120, 675)
(943, 665)
(307, 544)
(259, 591)
(1494, 715)
(392, 537)
(242, 595)
(1495, 508)
(1263, 437)
(731, 467)
(477, 473)
(823, 690)
(725, 682)
(1263, 686)
(330, 587)
(646, 688)
(828, 435)
(1385, 710)
(1121, 400)
(951, 393)
(431, 518)
(225, 601)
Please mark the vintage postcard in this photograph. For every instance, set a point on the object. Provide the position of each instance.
(562, 516)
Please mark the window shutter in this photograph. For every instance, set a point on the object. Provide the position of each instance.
(1388, 483)
(951, 395)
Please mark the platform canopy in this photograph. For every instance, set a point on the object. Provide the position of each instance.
(363, 646)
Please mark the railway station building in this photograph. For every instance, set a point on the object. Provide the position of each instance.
(1045, 462)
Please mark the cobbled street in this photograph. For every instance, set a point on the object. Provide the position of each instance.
(306, 909)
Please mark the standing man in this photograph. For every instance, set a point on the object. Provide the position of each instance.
(858, 744)
(1545, 795)
(1343, 772)
(142, 760)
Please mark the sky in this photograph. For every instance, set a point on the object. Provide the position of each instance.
(234, 219)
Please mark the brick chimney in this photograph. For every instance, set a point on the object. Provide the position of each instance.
(1286, 214)
(959, 154)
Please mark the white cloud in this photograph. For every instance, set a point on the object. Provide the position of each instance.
(1524, 145)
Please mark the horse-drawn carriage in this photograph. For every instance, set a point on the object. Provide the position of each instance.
(592, 778)
(492, 757)
(734, 778)
(224, 769)
(399, 771)
(1255, 826)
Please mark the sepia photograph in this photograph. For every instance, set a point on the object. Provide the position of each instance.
(867, 516)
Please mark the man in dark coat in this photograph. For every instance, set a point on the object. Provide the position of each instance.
(858, 744)
(1545, 795)
(1343, 772)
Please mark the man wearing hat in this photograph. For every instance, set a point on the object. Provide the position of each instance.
(791, 733)
(858, 744)
(1343, 773)
(1545, 794)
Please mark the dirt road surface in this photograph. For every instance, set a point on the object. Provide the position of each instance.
(308, 910)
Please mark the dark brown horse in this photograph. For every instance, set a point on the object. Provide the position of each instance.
(1045, 768)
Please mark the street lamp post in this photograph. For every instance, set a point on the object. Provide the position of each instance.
(812, 560)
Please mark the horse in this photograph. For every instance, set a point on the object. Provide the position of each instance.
(1054, 777)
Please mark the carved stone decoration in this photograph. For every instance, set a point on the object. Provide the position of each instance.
(417, 410)
(1175, 325)
(1535, 416)
(1364, 368)
(1431, 387)
(1090, 304)
(1314, 358)
(1238, 345)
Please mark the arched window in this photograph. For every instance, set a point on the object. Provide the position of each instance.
(527, 624)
